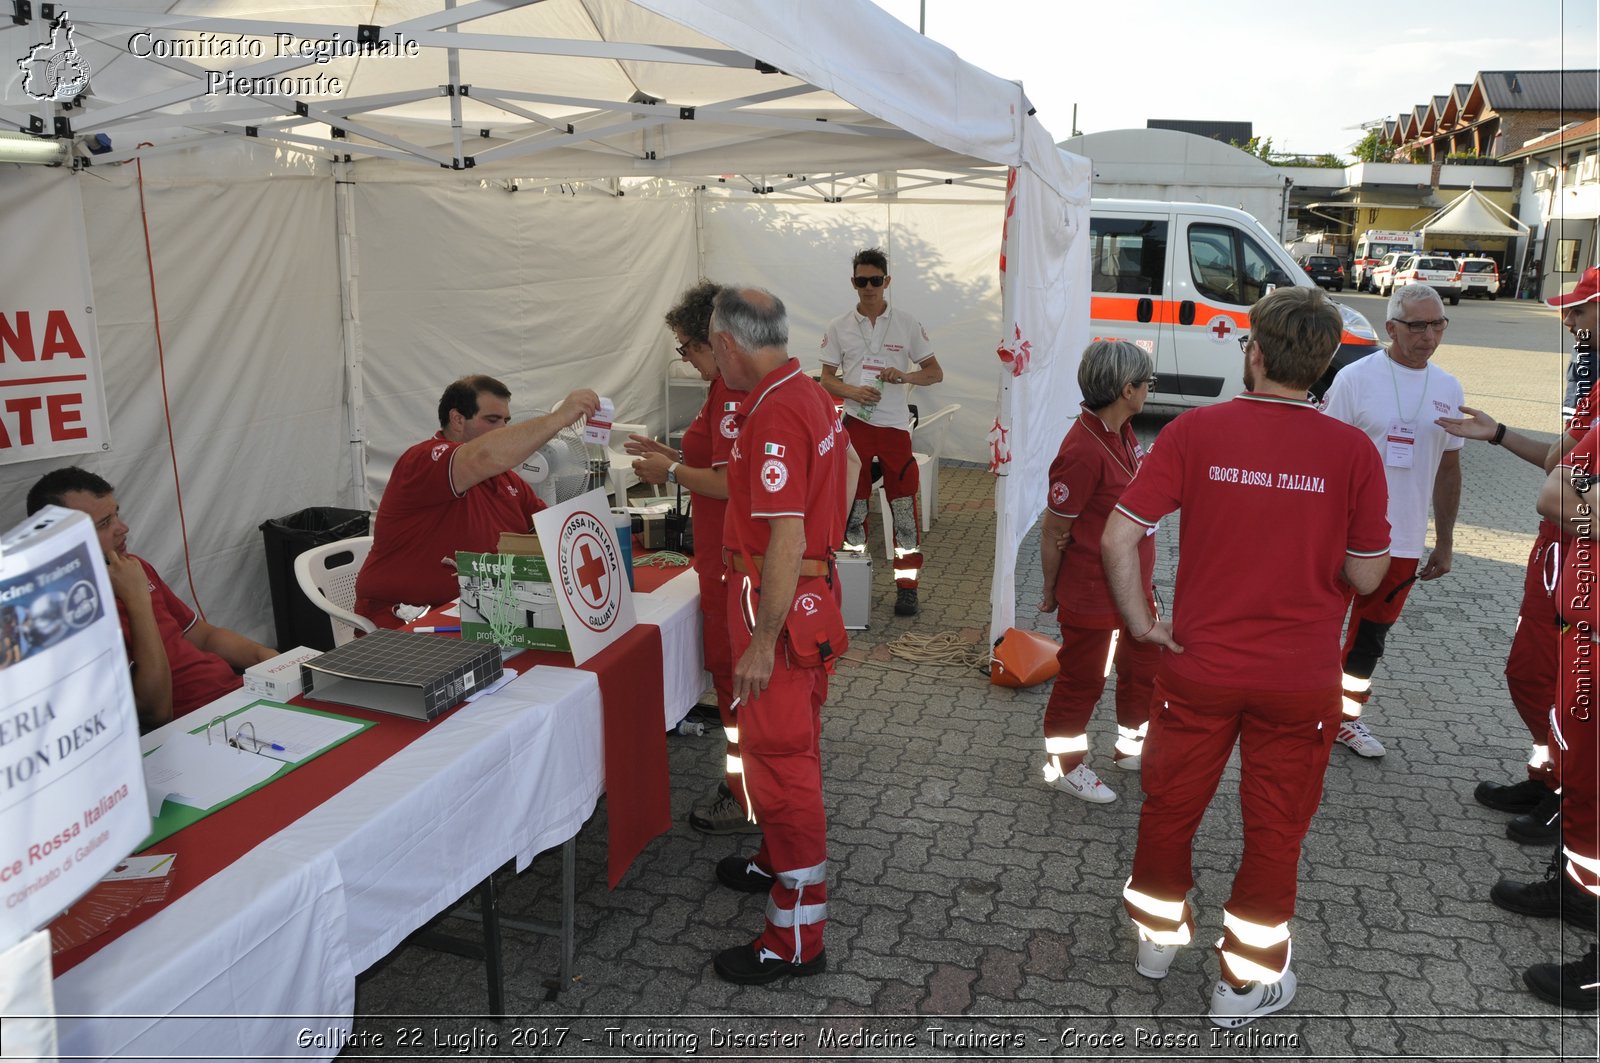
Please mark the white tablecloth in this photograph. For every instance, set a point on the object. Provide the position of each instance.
(285, 929)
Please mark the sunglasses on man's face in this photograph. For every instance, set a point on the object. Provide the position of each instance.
(862, 282)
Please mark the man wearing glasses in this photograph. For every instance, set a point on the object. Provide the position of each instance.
(455, 491)
(1395, 397)
(870, 358)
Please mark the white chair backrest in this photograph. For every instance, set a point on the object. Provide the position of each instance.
(327, 576)
(928, 436)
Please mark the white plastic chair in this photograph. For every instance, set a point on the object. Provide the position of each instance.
(327, 576)
(927, 441)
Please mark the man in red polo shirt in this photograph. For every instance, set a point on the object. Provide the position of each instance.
(1283, 513)
(456, 491)
(179, 662)
(786, 487)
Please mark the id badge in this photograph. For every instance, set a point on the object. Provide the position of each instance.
(871, 366)
(1400, 446)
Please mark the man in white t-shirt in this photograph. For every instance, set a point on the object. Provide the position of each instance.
(871, 358)
(1395, 396)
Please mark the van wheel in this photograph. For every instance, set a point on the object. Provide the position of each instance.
(1454, 300)
(1491, 297)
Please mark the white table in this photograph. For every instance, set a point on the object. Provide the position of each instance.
(280, 935)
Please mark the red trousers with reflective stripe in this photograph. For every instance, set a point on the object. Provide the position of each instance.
(1532, 665)
(1576, 727)
(718, 655)
(892, 448)
(1082, 680)
(1284, 738)
(1382, 606)
(779, 734)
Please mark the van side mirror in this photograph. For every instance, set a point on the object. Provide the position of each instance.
(1276, 278)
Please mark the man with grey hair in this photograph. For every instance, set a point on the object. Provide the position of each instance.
(1395, 397)
(786, 491)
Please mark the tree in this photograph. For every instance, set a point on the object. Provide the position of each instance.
(1373, 147)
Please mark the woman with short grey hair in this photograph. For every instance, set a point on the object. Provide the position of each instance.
(1097, 459)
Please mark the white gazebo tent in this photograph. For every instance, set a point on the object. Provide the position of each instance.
(330, 236)
(1472, 215)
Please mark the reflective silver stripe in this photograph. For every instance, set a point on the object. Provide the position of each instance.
(1357, 685)
(804, 915)
(800, 878)
(1111, 655)
(1352, 709)
(1070, 744)
(1541, 757)
(1169, 910)
(731, 734)
(1256, 935)
(1179, 936)
(1249, 970)
(735, 765)
(907, 573)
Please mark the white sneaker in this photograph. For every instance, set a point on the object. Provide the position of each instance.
(1081, 782)
(1232, 1008)
(1128, 763)
(1154, 960)
(1364, 743)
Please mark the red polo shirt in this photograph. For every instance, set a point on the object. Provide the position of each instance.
(1087, 477)
(789, 461)
(707, 444)
(421, 520)
(1274, 496)
(1577, 428)
(199, 677)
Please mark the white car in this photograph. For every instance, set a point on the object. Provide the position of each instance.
(1381, 279)
(1437, 272)
(1480, 277)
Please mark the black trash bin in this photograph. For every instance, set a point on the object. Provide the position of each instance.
(298, 621)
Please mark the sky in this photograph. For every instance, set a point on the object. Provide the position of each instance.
(1308, 77)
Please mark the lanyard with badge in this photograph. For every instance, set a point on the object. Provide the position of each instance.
(872, 360)
(1400, 444)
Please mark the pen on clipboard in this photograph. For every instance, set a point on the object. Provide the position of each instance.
(438, 630)
(163, 863)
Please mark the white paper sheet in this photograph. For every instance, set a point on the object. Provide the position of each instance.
(188, 770)
(299, 734)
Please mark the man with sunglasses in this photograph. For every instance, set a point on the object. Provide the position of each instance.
(1395, 396)
(455, 491)
(870, 357)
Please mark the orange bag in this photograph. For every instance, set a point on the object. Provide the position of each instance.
(1023, 659)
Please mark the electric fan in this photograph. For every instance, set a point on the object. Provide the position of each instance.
(562, 469)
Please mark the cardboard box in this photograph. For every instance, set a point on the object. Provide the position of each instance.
(280, 678)
(512, 587)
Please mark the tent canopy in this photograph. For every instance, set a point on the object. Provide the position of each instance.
(308, 325)
(1470, 214)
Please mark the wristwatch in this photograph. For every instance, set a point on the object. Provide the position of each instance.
(672, 473)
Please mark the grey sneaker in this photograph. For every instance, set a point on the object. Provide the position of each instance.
(1232, 1008)
(720, 814)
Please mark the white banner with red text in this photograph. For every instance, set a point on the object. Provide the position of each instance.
(52, 399)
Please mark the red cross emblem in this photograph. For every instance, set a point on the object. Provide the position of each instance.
(1222, 326)
(774, 474)
(590, 571)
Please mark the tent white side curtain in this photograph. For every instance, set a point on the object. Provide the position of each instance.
(1045, 306)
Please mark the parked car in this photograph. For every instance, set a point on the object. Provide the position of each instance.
(1381, 279)
(1437, 272)
(1480, 277)
(1324, 270)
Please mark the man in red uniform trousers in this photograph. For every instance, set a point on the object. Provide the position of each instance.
(456, 491)
(179, 662)
(786, 484)
(1254, 641)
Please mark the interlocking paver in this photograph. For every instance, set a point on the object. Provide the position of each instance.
(963, 888)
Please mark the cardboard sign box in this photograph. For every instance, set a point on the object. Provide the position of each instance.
(513, 588)
(280, 677)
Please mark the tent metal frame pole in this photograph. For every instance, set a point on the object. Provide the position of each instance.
(350, 324)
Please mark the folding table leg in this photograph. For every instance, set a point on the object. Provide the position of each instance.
(493, 971)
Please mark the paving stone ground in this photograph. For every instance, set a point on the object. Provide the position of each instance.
(975, 913)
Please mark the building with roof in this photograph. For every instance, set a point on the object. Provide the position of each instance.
(1558, 197)
(1496, 110)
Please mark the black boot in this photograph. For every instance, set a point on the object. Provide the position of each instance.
(1511, 797)
(1554, 895)
(1542, 826)
(1574, 986)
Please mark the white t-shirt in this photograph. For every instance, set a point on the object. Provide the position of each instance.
(1396, 407)
(860, 349)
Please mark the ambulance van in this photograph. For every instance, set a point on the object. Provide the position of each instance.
(1178, 279)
